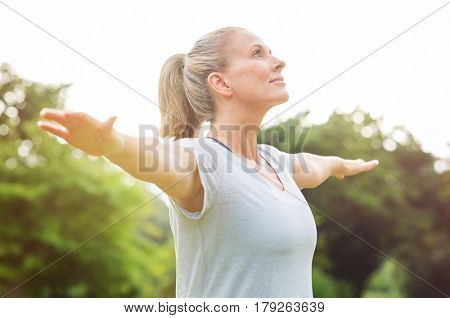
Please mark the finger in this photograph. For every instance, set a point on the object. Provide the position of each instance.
(370, 165)
(52, 128)
(372, 162)
(68, 119)
(53, 114)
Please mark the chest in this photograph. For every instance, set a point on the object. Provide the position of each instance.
(261, 217)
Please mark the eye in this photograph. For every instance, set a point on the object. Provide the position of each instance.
(256, 51)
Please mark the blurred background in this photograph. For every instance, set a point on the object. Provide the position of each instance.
(105, 60)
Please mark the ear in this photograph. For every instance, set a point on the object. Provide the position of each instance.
(219, 84)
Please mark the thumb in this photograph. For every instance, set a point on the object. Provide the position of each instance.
(110, 122)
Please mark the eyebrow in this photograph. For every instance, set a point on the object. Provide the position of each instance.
(259, 45)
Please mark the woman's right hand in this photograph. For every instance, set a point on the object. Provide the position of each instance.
(82, 131)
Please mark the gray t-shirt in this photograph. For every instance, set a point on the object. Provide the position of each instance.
(251, 239)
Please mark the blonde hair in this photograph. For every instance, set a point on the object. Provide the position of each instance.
(184, 96)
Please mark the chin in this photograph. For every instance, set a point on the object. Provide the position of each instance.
(278, 102)
(283, 99)
(278, 99)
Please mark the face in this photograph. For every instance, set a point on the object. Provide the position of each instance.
(251, 69)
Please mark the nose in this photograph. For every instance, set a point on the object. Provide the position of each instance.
(279, 64)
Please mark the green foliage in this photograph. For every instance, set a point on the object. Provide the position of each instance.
(400, 209)
(67, 218)
(386, 281)
(65, 229)
(326, 286)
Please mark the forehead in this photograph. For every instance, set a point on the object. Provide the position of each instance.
(242, 41)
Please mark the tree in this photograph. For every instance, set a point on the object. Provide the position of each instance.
(401, 209)
(54, 198)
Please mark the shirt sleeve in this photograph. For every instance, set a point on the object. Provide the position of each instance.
(210, 175)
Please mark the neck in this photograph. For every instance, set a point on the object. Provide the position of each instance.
(237, 126)
(239, 136)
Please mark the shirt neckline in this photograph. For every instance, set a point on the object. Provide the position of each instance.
(259, 153)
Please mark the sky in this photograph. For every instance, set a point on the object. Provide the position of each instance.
(112, 53)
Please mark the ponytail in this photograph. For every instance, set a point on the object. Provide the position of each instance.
(178, 117)
(184, 96)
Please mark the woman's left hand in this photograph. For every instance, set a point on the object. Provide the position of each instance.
(348, 167)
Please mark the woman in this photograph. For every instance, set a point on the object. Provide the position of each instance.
(241, 225)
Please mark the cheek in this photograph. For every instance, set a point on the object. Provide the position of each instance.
(259, 73)
(251, 90)
(252, 83)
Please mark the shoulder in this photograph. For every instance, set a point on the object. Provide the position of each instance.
(282, 159)
(193, 142)
(195, 145)
(269, 148)
(202, 149)
(184, 142)
(274, 151)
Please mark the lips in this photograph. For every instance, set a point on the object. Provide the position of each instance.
(278, 78)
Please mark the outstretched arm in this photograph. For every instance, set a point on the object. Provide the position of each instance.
(312, 170)
(167, 165)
